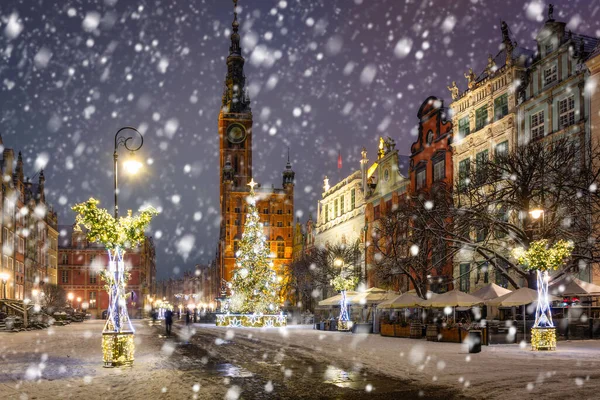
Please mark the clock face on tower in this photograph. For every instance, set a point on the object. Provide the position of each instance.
(236, 133)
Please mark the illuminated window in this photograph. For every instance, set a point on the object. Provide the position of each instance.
(550, 75)
(566, 112)
(537, 125)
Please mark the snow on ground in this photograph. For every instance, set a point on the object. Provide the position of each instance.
(65, 362)
(499, 371)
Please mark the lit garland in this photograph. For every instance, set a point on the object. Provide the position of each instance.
(543, 339)
(342, 284)
(116, 235)
(117, 349)
(251, 320)
(541, 258)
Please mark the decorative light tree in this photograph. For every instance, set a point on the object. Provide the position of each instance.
(342, 284)
(116, 235)
(543, 258)
(255, 289)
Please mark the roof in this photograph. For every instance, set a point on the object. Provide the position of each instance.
(518, 54)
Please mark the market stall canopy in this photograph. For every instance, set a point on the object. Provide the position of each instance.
(570, 286)
(406, 300)
(490, 291)
(335, 300)
(373, 296)
(454, 298)
(519, 297)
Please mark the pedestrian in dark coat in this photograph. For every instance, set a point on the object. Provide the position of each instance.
(169, 321)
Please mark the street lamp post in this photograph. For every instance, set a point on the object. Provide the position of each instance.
(133, 166)
(4, 278)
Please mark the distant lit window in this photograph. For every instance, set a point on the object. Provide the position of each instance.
(566, 112)
(537, 125)
(550, 75)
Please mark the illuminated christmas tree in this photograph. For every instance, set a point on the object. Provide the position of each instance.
(254, 287)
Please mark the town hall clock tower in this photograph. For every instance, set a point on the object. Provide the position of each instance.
(275, 205)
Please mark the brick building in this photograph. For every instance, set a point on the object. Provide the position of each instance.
(79, 265)
(430, 168)
(27, 224)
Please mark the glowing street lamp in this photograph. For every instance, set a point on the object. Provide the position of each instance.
(536, 213)
(4, 278)
(131, 165)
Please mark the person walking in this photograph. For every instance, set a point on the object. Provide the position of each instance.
(188, 318)
(169, 321)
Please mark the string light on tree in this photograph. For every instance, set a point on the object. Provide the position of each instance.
(254, 287)
(541, 257)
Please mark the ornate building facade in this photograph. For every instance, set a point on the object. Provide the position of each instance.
(28, 226)
(386, 183)
(276, 205)
(485, 123)
(431, 168)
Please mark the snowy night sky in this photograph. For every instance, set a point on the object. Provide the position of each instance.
(324, 76)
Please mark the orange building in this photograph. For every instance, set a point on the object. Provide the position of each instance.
(79, 264)
(431, 166)
(275, 205)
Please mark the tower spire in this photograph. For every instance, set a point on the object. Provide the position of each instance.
(235, 36)
(235, 95)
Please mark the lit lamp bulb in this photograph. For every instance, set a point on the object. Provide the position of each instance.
(536, 213)
(70, 296)
(132, 166)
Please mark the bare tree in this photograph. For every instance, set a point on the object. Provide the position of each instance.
(54, 297)
(407, 245)
(494, 199)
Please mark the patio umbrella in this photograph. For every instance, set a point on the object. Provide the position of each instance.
(405, 300)
(454, 298)
(571, 286)
(490, 291)
(335, 300)
(374, 296)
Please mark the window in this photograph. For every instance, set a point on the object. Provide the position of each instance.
(481, 159)
(483, 267)
(93, 276)
(352, 199)
(481, 233)
(92, 258)
(464, 128)
(237, 210)
(464, 169)
(4, 235)
(280, 249)
(335, 208)
(481, 118)
(421, 178)
(502, 218)
(501, 149)
(21, 245)
(265, 210)
(500, 107)
(465, 278)
(550, 75)
(11, 265)
(501, 279)
(342, 205)
(266, 223)
(280, 212)
(439, 170)
(326, 213)
(65, 276)
(566, 112)
(280, 224)
(237, 222)
(536, 123)
(549, 48)
(92, 299)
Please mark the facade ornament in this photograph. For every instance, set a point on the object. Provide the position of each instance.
(389, 144)
(326, 184)
(453, 90)
(491, 65)
(381, 151)
(470, 78)
(550, 13)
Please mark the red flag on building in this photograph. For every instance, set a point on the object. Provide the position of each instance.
(340, 160)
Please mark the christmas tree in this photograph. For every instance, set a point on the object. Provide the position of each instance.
(254, 287)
